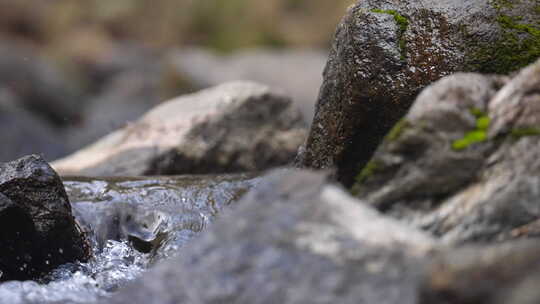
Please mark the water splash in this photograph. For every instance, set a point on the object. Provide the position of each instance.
(131, 223)
(113, 267)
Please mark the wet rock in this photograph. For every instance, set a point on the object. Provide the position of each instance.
(17, 233)
(23, 133)
(385, 52)
(507, 273)
(463, 163)
(38, 231)
(294, 239)
(234, 127)
(297, 72)
(38, 85)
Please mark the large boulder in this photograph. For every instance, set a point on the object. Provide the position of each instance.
(385, 52)
(463, 164)
(234, 127)
(38, 231)
(293, 239)
(202, 68)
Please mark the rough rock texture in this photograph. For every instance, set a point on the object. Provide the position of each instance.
(385, 52)
(508, 273)
(234, 127)
(294, 239)
(23, 133)
(38, 231)
(463, 164)
(297, 72)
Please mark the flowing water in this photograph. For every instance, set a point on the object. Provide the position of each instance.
(132, 223)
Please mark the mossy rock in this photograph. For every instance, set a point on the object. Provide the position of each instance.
(518, 42)
(386, 52)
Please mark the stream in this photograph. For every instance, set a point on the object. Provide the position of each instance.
(132, 223)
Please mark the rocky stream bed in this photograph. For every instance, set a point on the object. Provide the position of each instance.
(416, 183)
(131, 223)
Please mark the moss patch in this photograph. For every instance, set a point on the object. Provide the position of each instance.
(397, 130)
(500, 4)
(403, 24)
(369, 170)
(478, 135)
(518, 46)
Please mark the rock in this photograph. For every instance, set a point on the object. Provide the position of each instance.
(385, 52)
(23, 133)
(507, 273)
(38, 85)
(234, 127)
(293, 239)
(38, 232)
(463, 163)
(297, 72)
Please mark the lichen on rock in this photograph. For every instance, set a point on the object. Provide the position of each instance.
(385, 52)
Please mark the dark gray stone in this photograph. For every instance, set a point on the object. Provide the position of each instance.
(294, 239)
(38, 231)
(463, 164)
(385, 52)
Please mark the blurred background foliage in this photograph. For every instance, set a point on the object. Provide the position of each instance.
(72, 71)
(223, 25)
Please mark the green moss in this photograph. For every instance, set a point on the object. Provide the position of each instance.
(482, 123)
(500, 4)
(478, 135)
(521, 132)
(477, 112)
(469, 139)
(369, 169)
(518, 46)
(397, 130)
(402, 23)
